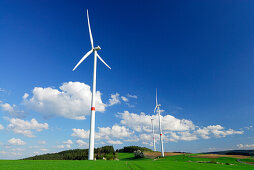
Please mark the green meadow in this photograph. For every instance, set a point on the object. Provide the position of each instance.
(127, 161)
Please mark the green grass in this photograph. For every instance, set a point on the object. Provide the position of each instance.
(126, 161)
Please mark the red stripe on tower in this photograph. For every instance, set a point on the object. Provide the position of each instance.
(161, 134)
(93, 108)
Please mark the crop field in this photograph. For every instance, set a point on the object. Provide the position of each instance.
(127, 161)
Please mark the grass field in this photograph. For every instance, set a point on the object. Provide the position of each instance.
(127, 162)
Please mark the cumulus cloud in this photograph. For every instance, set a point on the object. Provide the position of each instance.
(25, 127)
(81, 143)
(125, 99)
(114, 99)
(11, 109)
(132, 138)
(242, 146)
(72, 100)
(142, 122)
(116, 132)
(6, 107)
(36, 153)
(60, 146)
(217, 130)
(80, 133)
(187, 136)
(1, 127)
(132, 96)
(174, 129)
(114, 142)
(14, 141)
(68, 142)
(105, 133)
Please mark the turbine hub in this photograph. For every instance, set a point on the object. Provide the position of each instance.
(97, 48)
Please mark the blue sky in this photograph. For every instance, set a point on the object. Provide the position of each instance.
(198, 54)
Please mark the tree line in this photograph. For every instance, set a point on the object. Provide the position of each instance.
(105, 152)
(131, 149)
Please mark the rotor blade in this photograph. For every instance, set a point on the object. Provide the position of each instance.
(90, 32)
(156, 97)
(155, 108)
(86, 55)
(103, 61)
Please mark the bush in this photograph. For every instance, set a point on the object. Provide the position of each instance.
(109, 156)
(139, 154)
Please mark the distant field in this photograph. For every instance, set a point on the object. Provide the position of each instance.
(127, 162)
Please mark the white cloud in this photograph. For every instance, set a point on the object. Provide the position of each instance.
(81, 143)
(114, 99)
(25, 96)
(107, 133)
(174, 129)
(204, 133)
(80, 133)
(116, 132)
(146, 137)
(125, 99)
(42, 142)
(68, 146)
(248, 127)
(116, 142)
(25, 127)
(72, 100)
(60, 146)
(12, 110)
(132, 96)
(132, 138)
(217, 130)
(242, 146)
(142, 122)
(68, 142)
(1, 127)
(173, 137)
(187, 136)
(36, 153)
(14, 141)
(6, 107)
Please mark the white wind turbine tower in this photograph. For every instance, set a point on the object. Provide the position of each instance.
(154, 147)
(92, 122)
(157, 109)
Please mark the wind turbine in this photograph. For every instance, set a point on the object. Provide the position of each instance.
(154, 147)
(92, 122)
(157, 109)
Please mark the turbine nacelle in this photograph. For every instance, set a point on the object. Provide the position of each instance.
(97, 48)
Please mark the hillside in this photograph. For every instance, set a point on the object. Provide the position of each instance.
(233, 152)
(77, 154)
(107, 152)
